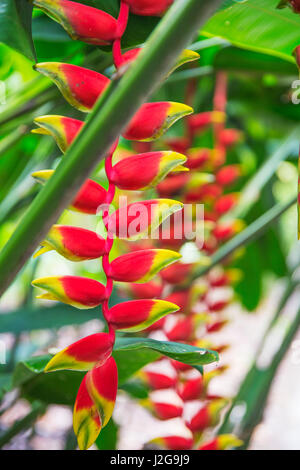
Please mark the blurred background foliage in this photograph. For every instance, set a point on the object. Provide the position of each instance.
(250, 40)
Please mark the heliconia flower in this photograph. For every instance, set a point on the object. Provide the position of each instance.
(84, 354)
(154, 119)
(147, 263)
(216, 326)
(166, 403)
(159, 375)
(179, 327)
(228, 175)
(102, 386)
(229, 137)
(86, 419)
(176, 274)
(140, 219)
(185, 57)
(149, 290)
(198, 158)
(225, 203)
(222, 442)
(191, 386)
(81, 22)
(199, 122)
(227, 229)
(173, 184)
(74, 243)
(62, 129)
(178, 144)
(176, 442)
(181, 298)
(205, 193)
(136, 315)
(149, 7)
(81, 87)
(145, 170)
(80, 292)
(89, 198)
(207, 416)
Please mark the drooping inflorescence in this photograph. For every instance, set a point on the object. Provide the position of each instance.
(81, 88)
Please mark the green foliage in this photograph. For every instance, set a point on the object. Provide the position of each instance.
(258, 26)
(15, 26)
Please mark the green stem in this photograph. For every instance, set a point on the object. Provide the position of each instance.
(252, 232)
(9, 141)
(109, 117)
(23, 424)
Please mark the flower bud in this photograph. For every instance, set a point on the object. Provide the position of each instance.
(149, 7)
(81, 22)
(81, 87)
(80, 292)
(84, 354)
(154, 119)
(74, 243)
(137, 315)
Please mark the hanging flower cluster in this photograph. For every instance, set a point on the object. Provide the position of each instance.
(178, 391)
(81, 88)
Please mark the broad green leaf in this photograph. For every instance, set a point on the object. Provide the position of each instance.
(257, 25)
(131, 355)
(15, 26)
(239, 60)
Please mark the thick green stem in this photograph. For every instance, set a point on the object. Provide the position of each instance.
(250, 233)
(109, 117)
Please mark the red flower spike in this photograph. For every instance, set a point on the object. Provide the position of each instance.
(80, 292)
(176, 274)
(173, 184)
(167, 404)
(225, 230)
(229, 137)
(147, 264)
(154, 119)
(178, 443)
(62, 129)
(226, 203)
(160, 375)
(181, 298)
(222, 442)
(207, 416)
(149, 7)
(86, 420)
(137, 315)
(127, 173)
(102, 386)
(198, 158)
(179, 328)
(228, 175)
(81, 22)
(191, 388)
(84, 354)
(74, 243)
(178, 144)
(185, 57)
(140, 219)
(89, 198)
(81, 87)
(199, 122)
(150, 290)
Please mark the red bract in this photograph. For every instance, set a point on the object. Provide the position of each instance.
(154, 119)
(228, 175)
(81, 87)
(81, 22)
(149, 7)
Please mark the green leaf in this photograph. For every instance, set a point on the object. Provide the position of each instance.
(240, 60)
(15, 26)
(257, 25)
(131, 355)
